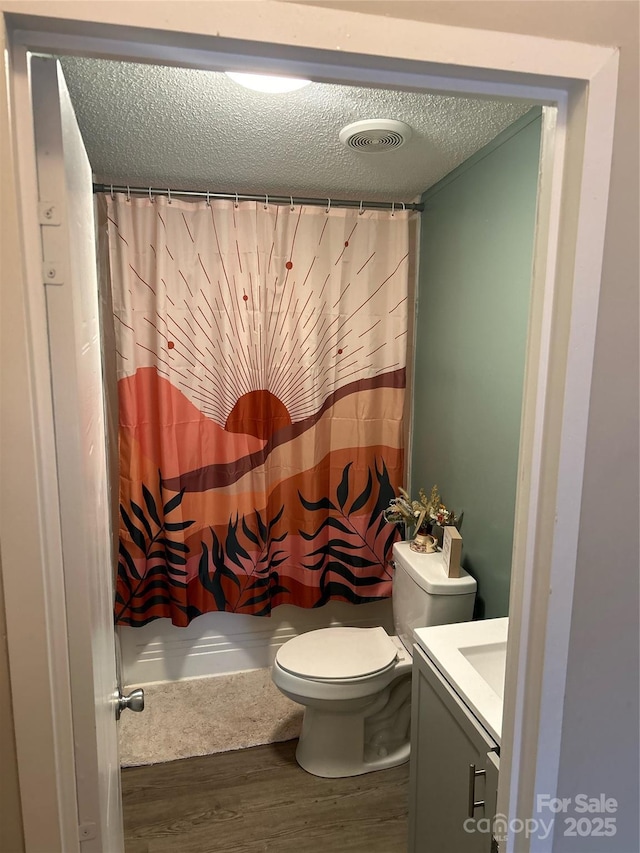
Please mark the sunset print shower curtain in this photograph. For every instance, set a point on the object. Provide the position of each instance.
(261, 378)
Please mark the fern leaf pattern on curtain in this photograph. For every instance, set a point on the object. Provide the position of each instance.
(261, 356)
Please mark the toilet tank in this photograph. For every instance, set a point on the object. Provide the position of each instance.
(423, 594)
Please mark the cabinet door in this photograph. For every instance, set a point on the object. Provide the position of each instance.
(446, 740)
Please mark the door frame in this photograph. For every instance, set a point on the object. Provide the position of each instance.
(579, 81)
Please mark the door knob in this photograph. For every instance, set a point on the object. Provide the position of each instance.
(134, 701)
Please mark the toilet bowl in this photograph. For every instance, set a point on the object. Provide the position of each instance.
(355, 683)
(352, 722)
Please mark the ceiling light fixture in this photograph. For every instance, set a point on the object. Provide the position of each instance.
(267, 83)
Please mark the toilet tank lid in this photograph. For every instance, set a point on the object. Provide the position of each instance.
(427, 570)
(334, 653)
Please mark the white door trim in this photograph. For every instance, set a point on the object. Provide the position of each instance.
(581, 80)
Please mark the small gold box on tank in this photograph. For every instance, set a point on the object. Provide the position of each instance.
(451, 551)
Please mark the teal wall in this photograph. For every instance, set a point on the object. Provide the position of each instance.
(476, 251)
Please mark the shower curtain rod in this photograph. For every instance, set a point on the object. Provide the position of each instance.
(273, 199)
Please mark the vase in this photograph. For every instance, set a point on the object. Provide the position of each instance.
(424, 542)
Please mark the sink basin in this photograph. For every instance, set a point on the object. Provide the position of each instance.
(471, 656)
(489, 661)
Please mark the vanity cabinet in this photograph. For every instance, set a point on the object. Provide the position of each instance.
(453, 766)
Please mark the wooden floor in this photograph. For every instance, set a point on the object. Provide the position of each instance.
(259, 800)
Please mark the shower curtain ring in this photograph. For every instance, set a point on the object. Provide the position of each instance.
(328, 205)
(111, 191)
(291, 200)
(393, 208)
(150, 196)
(128, 193)
(237, 203)
(361, 211)
(169, 195)
(266, 201)
(208, 202)
(404, 207)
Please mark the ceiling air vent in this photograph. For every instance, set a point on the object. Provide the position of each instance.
(379, 134)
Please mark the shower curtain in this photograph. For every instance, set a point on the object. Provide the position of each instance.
(261, 355)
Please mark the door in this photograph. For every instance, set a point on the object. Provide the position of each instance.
(70, 279)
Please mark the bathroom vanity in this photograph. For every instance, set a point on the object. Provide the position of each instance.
(458, 682)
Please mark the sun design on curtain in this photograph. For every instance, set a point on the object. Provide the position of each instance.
(261, 355)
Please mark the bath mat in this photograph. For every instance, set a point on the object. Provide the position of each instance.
(200, 716)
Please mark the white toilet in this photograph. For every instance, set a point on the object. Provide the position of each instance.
(355, 683)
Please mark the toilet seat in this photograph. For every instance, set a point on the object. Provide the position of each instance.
(338, 654)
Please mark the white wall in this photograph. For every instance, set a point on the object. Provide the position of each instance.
(11, 838)
(217, 643)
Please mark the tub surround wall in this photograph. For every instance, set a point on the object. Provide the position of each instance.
(474, 290)
(222, 643)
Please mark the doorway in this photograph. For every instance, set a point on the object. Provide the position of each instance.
(105, 96)
(545, 253)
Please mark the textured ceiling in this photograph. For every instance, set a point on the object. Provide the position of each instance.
(188, 129)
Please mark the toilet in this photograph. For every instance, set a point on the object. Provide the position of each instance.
(355, 683)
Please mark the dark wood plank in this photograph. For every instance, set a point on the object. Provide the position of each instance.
(259, 800)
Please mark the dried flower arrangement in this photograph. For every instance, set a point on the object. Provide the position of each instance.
(431, 510)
